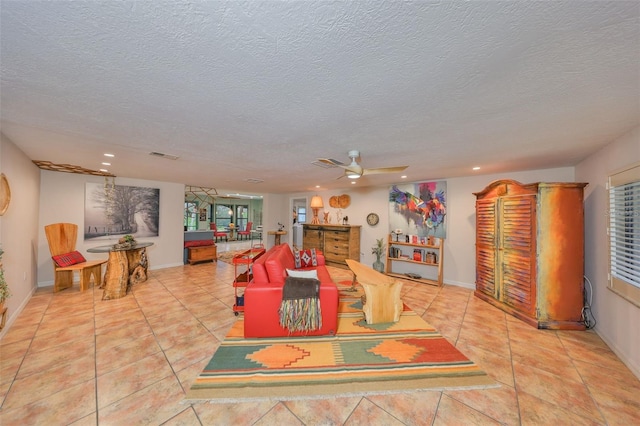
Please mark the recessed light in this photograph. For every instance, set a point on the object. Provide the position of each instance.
(109, 155)
(106, 164)
(353, 182)
(476, 168)
(317, 186)
(104, 170)
(403, 177)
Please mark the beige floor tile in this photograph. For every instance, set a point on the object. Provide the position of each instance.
(118, 384)
(187, 417)
(367, 413)
(618, 411)
(334, 411)
(499, 403)
(37, 362)
(242, 413)
(566, 394)
(64, 407)
(556, 362)
(495, 365)
(535, 411)
(41, 385)
(452, 412)
(191, 350)
(120, 356)
(409, 408)
(64, 336)
(161, 402)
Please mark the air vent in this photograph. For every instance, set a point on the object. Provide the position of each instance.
(163, 155)
(254, 180)
(323, 165)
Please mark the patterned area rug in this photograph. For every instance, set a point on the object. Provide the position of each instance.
(227, 256)
(359, 360)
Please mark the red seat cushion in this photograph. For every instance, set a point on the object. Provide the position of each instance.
(68, 259)
(198, 243)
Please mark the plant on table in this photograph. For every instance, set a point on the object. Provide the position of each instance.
(378, 249)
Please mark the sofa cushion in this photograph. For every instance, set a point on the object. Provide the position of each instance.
(302, 273)
(305, 258)
(68, 259)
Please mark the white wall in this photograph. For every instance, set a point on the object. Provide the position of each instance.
(616, 319)
(19, 227)
(459, 250)
(62, 200)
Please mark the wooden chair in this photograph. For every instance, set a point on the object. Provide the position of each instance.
(218, 234)
(62, 240)
(247, 232)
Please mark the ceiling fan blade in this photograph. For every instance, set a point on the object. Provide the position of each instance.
(383, 170)
(331, 162)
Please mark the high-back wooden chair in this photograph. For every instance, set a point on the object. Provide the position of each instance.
(247, 232)
(62, 244)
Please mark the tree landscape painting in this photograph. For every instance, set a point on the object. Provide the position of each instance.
(419, 209)
(112, 211)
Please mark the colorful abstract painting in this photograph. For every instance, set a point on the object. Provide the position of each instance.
(419, 208)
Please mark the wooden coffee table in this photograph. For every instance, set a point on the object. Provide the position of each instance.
(381, 301)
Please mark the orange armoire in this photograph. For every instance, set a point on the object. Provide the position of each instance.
(530, 251)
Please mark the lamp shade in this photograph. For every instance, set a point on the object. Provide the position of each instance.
(316, 202)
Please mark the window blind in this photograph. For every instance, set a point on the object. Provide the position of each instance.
(624, 233)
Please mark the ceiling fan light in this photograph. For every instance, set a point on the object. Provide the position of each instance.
(352, 175)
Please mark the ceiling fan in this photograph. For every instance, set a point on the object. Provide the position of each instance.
(354, 170)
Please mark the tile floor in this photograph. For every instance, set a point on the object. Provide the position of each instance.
(71, 358)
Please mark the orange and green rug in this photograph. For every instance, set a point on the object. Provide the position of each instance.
(360, 359)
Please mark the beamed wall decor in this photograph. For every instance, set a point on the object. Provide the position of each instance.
(70, 168)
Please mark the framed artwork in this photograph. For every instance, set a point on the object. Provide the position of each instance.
(203, 215)
(115, 210)
(419, 209)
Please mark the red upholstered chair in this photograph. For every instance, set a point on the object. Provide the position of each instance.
(247, 232)
(218, 234)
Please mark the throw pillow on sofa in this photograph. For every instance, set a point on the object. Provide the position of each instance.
(305, 258)
(312, 273)
(68, 259)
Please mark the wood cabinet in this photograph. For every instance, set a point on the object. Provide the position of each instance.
(202, 254)
(336, 242)
(420, 259)
(530, 251)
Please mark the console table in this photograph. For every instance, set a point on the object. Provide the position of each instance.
(125, 267)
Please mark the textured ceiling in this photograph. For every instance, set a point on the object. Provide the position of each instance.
(260, 90)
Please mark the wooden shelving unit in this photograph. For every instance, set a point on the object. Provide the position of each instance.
(420, 265)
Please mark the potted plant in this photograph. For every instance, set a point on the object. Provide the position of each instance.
(5, 293)
(378, 250)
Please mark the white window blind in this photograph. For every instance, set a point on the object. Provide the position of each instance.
(624, 233)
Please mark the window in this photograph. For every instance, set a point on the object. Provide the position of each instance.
(302, 214)
(190, 216)
(624, 233)
(224, 215)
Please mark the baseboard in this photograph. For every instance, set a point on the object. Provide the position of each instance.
(13, 316)
(634, 368)
(460, 284)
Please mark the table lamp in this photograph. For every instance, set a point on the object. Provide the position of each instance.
(316, 204)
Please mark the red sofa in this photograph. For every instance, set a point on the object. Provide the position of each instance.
(263, 295)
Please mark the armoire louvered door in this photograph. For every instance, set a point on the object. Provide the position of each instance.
(516, 252)
(486, 247)
(530, 251)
